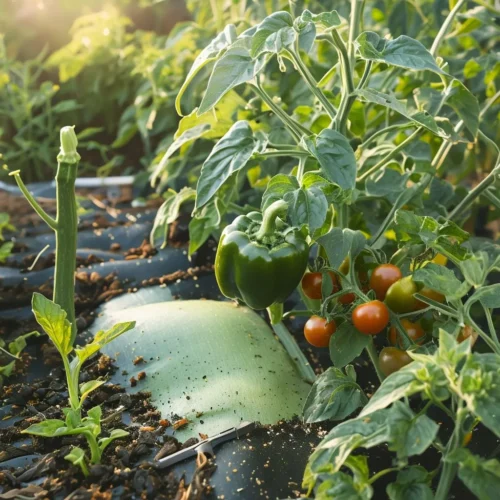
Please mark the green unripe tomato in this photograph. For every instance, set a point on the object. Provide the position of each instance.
(399, 297)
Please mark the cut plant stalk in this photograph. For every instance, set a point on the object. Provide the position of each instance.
(65, 225)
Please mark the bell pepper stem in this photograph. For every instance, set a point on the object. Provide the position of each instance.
(269, 219)
(294, 351)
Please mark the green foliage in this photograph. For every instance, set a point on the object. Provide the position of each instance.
(52, 318)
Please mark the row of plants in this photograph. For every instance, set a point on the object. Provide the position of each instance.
(361, 163)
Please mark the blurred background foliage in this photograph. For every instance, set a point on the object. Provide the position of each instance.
(114, 70)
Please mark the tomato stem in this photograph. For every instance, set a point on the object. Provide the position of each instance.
(372, 353)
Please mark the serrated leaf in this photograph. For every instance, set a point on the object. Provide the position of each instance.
(277, 187)
(334, 396)
(442, 280)
(325, 19)
(404, 52)
(273, 34)
(412, 483)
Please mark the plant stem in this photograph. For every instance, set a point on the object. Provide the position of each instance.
(491, 325)
(347, 80)
(474, 193)
(300, 169)
(354, 28)
(36, 207)
(66, 241)
(74, 400)
(372, 352)
(311, 82)
(95, 452)
(450, 469)
(294, 351)
(270, 214)
(288, 152)
(391, 155)
(445, 27)
(384, 131)
(382, 473)
(295, 129)
(366, 74)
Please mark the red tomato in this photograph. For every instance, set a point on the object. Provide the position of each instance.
(318, 332)
(466, 332)
(392, 359)
(370, 318)
(414, 331)
(383, 277)
(311, 284)
(347, 298)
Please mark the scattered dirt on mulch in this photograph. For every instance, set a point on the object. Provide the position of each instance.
(144, 251)
(126, 470)
(192, 272)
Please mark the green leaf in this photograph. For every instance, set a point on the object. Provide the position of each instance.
(235, 67)
(465, 105)
(339, 243)
(422, 118)
(50, 428)
(209, 54)
(169, 212)
(441, 279)
(327, 20)
(52, 318)
(386, 183)
(115, 434)
(228, 156)
(396, 386)
(204, 223)
(335, 449)
(307, 207)
(489, 296)
(5, 250)
(335, 157)
(342, 486)
(410, 435)
(77, 457)
(334, 396)
(17, 345)
(273, 34)
(412, 483)
(479, 386)
(347, 344)
(277, 187)
(88, 387)
(404, 52)
(102, 338)
(481, 476)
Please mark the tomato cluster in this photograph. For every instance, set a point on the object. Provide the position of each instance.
(393, 292)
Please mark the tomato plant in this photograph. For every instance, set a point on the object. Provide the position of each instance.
(312, 284)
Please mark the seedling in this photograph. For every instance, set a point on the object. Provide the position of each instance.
(57, 317)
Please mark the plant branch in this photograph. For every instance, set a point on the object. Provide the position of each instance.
(294, 55)
(366, 74)
(372, 353)
(31, 200)
(383, 162)
(445, 27)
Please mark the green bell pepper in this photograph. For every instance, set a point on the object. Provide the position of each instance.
(260, 259)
